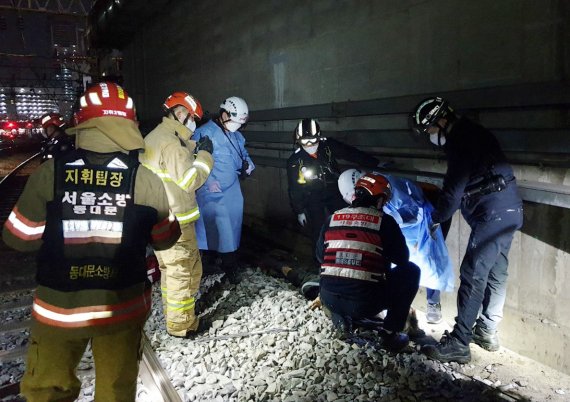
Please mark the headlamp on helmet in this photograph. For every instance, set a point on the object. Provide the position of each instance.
(307, 132)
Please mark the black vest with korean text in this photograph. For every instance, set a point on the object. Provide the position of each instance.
(353, 246)
(95, 235)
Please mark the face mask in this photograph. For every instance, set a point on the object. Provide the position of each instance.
(232, 126)
(191, 125)
(312, 149)
(434, 139)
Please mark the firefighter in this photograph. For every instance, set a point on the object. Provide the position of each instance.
(56, 142)
(183, 165)
(312, 174)
(356, 248)
(411, 209)
(480, 182)
(91, 213)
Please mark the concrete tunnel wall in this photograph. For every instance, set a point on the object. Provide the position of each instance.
(278, 54)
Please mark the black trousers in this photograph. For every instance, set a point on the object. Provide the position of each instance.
(395, 295)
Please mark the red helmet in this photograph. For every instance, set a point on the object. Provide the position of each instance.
(105, 99)
(52, 119)
(376, 185)
(186, 100)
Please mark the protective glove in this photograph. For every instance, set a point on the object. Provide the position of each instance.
(302, 218)
(316, 304)
(204, 144)
(433, 230)
(249, 169)
(214, 187)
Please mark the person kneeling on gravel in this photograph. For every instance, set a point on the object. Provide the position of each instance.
(356, 248)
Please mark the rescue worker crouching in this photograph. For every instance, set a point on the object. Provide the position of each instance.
(56, 142)
(91, 213)
(183, 165)
(356, 248)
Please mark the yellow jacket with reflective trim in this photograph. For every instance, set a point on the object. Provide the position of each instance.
(169, 153)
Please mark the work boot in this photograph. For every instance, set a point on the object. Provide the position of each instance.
(310, 289)
(433, 313)
(449, 349)
(487, 341)
(394, 341)
(203, 326)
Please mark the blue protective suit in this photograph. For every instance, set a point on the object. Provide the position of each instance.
(412, 211)
(221, 213)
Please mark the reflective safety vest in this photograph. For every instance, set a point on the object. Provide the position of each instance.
(353, 246)
(91, 266)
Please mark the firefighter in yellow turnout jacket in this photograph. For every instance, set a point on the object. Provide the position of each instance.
(183, 165)
(90, 213)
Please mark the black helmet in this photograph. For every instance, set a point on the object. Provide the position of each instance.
(307, 132)
(428, 112)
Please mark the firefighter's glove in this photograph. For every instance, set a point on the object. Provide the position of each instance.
(433, 230)
(302, 219)
(204, 144)
(316, 304)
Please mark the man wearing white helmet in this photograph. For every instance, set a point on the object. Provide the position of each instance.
(412, 211)
(312, 174)
(220, 198)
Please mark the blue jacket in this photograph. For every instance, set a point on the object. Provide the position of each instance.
(221, 212)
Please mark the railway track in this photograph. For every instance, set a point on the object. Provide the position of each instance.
(15, 312)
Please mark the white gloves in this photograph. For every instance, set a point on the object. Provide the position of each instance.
(302, 218)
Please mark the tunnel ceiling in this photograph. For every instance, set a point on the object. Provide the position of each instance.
(112, 23)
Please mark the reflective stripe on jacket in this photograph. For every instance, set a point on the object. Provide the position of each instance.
(170, 155)
(353, 246)
(92, 310)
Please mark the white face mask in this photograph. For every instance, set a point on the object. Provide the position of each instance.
(312, 149)
(232, 126)
(434, 139)
(191, 125)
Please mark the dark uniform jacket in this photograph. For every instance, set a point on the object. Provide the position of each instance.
(315, 179)
(473, 152)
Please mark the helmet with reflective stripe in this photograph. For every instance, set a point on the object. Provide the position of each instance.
(236, 108)
(105, 99)
(346, 182)
(373, 185)
(428, 112)
(188, 101)
(307, 131)
(52, 119)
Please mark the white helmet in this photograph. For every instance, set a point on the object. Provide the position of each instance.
(236, 108)
(346, 182)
